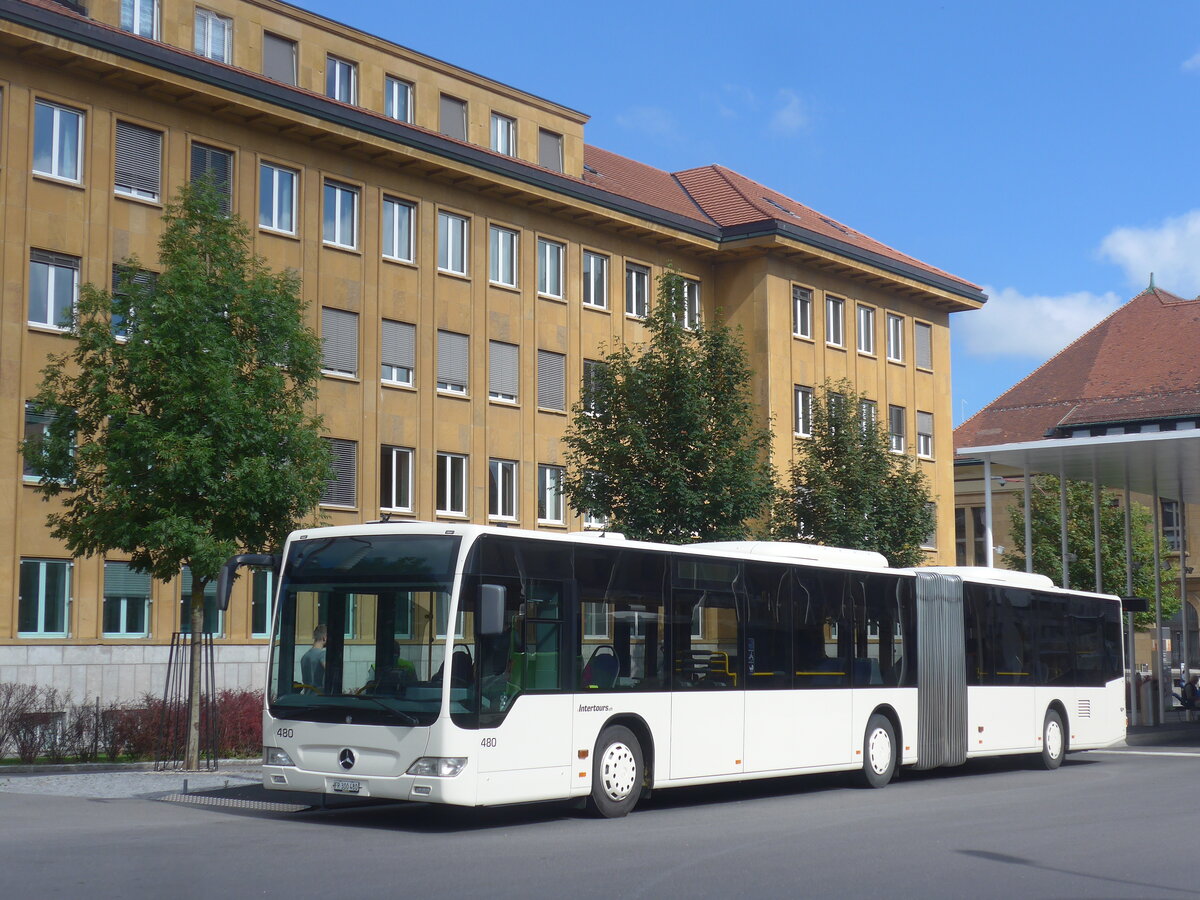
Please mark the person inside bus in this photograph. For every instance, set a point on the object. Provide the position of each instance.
(312, 663)
(1191, 692)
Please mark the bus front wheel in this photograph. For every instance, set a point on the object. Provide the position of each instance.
(879, 751)
(617, 772)
(1053, 740)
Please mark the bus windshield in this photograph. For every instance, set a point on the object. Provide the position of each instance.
(362, 628)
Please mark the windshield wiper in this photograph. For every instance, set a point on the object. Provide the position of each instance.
(400, 714)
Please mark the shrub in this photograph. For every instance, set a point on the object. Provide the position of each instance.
(239, 723)
(15, 701)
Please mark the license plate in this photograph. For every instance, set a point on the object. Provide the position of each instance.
(347, 787)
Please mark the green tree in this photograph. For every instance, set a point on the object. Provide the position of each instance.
(180, 427)
(848, 489)
(1046, 533)
(664, 443)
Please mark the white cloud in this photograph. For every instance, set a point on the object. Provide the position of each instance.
(1033, 326)
(650, 120)
(735, 100)
(1192, 64)
(790, 116)
(1170, 250)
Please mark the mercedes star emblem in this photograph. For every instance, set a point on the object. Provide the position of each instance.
(346, 759)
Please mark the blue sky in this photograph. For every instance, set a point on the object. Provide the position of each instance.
(1047, 151)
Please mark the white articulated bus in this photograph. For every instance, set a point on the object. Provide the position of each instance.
(474, 666)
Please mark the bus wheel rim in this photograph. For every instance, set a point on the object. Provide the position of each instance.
(879, 751)
(618, 771)
(1053, 739)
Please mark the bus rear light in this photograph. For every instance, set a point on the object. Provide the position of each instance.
(276, 756)
(438, 766)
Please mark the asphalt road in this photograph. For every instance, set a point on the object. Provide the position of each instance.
(1115, 824)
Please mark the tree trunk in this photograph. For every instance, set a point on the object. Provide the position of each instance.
(191, 759)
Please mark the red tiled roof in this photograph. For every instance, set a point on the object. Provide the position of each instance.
(1141, 362)
(638, 181)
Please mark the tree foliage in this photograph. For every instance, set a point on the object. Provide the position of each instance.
(848, 489)
(664, 444)
(1046, 536)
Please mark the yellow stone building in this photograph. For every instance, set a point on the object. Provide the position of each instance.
(465, 256)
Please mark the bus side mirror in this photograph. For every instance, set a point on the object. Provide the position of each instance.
(491, 609)
(228, 574)
(1135, 604)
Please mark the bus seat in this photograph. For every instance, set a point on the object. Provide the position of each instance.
(603, 672)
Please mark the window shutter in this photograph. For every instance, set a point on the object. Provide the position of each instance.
(453, 364)
(339, 336)
(279, 58)
(399, 344)
(121, 581)
(139, 159)
(453, 117)
(504, 373)
(550, 150)
(551, 380)
(923, 351)
(340, 490)
(219, 165)
(54, 259)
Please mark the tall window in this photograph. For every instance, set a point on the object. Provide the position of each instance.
(339, 342)
(216, 165)
(595, 280)
(835, 321)
(341, 77)
(398, 95)
(214, 36)
(691, 303)
(399, 352)
(140, 17)
(395, 478)
(451, 484)
(398, 218)
(504, 371)
(551, 380)
(1171, 526)
(637, 290)
(57, 141)
(214, 620)
(341, 489)
(550, 495)
(279, 58)
(452, 243)
(262, 602)
(502, 256)
(550, 150)
(923, 345)
(592, 368)
(803, 414)
(126, 601)
(36, 425)
(550, 267)
(504, 134)
(868, 415)
(45, 593)
(452, 117)
(340, 226)
(453, 362)
(925, 434)
(123, 282)
(802, 312)
(896, 431)
(53, 288)
(929, 542)
(137, 169)
(502, 489)
(895, 338)
(866, 329)
(277, 198)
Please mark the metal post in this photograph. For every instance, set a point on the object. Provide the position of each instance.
(1028, 519)
(1062, 520)
(1158, 639)
(1096, 529)
(1185, 660)
(987, 513)
(1135, 707)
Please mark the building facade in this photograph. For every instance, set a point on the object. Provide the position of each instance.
(465, 256)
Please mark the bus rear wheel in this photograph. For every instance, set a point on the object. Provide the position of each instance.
(1053, 740)
(618, 771)
(879, 751)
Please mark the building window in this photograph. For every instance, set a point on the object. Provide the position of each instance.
(930, 541)
(1172, 533)
(866, 329)
(262, 602)
(341, 77)
(214, 36)
(504, 134)
(550, 494)
(398, 217)
(395, 478)
(502, 258)
(868, 415)
(502, 489)
(398, 352)
(214, 620)
(341, 215)
(453, 362)
(57, 141)
(595, 621)
(895, 338)
(835, 321)
(592, 368)
(504, 372)
(216, 166)
(341, 489)
(691, 304)
(925, 434)
(896, 429)
(979, 535)
(279, 58)
(637, 290)
(551, 380)
(550, 268)
(594, 522)
(923, 345)
(37, 423)
(804, 408)
(960, 536)
(801, 312)
(452, 118)
(45, 595)
(595, 280)
(126, 601)
(452, 243)
(550, 150)
(451, 484)
(53, 289)
(398, 98)
(277, 198)
(339, 342)
(123, 280)
(137, 171)
(140, 17)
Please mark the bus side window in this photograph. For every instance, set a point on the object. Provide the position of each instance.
(768, 627)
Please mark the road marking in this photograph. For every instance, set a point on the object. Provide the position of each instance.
(1146, 753)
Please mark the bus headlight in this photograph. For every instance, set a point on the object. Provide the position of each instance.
(438, 766)
(276, 756)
